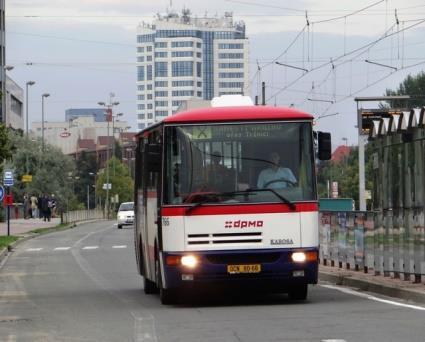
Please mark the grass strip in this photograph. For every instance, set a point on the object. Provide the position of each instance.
(7, 240)
(59, 227)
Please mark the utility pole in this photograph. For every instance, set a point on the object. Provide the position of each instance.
(109, 116)
(263, 93)
(42, 119)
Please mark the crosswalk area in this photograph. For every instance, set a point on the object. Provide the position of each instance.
(66, 248)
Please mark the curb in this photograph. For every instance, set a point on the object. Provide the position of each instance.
(5, 251)
(377, 287)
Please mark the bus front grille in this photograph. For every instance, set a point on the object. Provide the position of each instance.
(225, 238)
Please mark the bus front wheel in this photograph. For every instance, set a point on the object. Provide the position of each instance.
(149, 286)
(167, 296)
(298, 292)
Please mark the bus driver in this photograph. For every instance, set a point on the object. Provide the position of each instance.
(275, 176)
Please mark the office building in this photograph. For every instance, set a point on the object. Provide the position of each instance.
(14, 104)
(97, 113)
(180, 57)
(66, 135)
(2, 60)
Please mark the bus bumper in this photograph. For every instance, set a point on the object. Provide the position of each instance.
(277, 270)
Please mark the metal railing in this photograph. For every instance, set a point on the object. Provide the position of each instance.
(82, 215)
(387, 243)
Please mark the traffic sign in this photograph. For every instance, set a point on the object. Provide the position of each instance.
(8, 175)
(1, 193)
(26, 178)
(8, 182)
(107, 186)
(8, 178)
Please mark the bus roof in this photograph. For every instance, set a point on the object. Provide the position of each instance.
(235, 114)
(248, 113)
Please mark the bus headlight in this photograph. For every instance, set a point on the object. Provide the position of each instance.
(298, 257)
(189, 261)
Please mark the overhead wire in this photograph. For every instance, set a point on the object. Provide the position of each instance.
(376, 82)
(364, 47)
(350, 14)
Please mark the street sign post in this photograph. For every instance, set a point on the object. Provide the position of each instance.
(8, 199)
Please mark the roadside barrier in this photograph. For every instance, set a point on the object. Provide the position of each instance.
(389, 243)
(82, 215)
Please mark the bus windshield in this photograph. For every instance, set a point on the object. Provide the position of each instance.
(239, 163)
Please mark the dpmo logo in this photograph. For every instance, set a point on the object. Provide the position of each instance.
(244, 224)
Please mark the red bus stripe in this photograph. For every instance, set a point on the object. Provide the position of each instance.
(240, 209)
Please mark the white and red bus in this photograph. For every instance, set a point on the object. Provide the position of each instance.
(208, 210)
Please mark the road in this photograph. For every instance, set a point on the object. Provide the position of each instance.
(82, 285)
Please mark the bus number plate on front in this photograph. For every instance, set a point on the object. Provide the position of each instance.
(235, 269)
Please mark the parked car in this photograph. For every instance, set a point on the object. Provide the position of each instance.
(125, 215)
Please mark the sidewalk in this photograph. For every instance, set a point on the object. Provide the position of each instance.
(22, 226)
(406, 290)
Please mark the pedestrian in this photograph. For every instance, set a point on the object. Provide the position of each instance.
(54, 205)
(26, 206)
(39, 202)
(34, 206)
(46, 207)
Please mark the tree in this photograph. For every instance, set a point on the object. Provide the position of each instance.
(86, 166)
(346, 173)
(5, 146)
(121, 183)
(118, 150)
(49, 169)
(413, 86)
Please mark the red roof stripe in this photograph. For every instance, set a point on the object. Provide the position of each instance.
(253, 113)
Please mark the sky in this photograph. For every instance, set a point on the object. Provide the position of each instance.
(81, 51)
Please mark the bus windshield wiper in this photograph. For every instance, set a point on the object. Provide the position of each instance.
(240, 192)
(250, 191)
(193, 207)
(223, 194)
(201, 202)
(281, 197)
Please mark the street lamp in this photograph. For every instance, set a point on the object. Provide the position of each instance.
(108, 108)
(113, 133)
(42, 119)
(29, 83)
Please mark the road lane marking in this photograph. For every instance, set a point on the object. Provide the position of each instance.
(144, 328)
(333, 340)
(120, 246)
(376, 299)
(61, 248)
(34, 249)
(91, 247)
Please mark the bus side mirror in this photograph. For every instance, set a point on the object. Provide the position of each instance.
(153, 157)
(325, 145)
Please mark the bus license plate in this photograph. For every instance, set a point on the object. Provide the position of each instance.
(235, 269)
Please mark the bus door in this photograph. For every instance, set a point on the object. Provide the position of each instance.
(151, 195)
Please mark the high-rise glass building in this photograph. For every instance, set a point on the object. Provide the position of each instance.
(181, 57)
